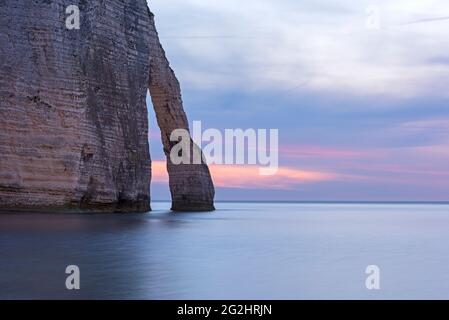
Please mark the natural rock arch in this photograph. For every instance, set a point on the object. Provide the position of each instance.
(191, 185)
(73, 117)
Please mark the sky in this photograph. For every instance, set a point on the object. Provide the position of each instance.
(358, 92)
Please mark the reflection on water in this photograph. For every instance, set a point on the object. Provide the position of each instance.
(242, 251)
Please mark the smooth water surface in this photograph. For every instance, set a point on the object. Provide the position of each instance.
(241, 251)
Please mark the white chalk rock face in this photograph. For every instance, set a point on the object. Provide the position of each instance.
(73, 115)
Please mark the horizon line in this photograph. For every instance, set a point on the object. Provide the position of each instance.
(446, 202)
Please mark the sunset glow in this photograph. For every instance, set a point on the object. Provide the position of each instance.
(241, 176)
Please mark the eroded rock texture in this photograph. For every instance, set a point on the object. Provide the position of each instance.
(190, 184)
(73, 118)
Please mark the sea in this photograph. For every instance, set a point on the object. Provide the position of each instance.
(244, 250)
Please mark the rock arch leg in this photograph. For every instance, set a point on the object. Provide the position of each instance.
(191, 185)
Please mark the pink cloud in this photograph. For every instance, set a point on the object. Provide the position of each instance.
(245, 176)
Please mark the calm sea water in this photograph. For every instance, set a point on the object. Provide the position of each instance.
(241, 251)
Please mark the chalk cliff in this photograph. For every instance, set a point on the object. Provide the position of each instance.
(190, 185)
(73, 117)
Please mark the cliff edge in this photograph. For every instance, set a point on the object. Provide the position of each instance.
(73, 114)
